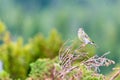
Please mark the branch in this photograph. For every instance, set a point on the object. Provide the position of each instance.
(115, 75)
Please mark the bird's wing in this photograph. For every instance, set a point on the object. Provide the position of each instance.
(86, 36)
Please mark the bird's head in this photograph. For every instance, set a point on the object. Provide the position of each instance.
(80, 31)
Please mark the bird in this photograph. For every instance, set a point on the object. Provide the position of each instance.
(84, 38)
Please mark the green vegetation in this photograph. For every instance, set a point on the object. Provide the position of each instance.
(17, 56)
(4, 76)
(99, 18)
(41, 69)
(39, 59)
(44, 69)
(36, 29)
(73, 63)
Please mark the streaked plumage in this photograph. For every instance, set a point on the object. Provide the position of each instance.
(84, 37)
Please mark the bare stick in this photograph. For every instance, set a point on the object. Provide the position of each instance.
(115, 75)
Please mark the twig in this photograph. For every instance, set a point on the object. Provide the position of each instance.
(115, 75)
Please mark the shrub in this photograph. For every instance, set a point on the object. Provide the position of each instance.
(16, 56)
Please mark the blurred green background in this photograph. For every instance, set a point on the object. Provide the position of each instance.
(99, 18)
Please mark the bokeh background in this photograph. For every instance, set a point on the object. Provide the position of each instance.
(99, 18)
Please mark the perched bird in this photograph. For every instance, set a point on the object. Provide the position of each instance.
(84, 37)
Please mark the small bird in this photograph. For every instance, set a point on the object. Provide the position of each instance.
(84, 37)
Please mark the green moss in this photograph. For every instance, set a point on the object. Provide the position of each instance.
(41, 69)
